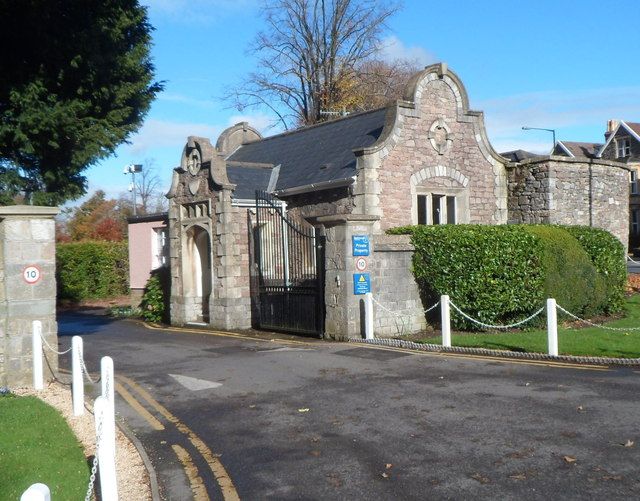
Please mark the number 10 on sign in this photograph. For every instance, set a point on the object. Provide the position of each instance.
(31, 274)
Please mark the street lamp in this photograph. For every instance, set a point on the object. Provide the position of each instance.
(553, 131)
(132, 169)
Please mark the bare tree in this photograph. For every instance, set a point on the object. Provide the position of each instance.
(148, 189)
(306, 54)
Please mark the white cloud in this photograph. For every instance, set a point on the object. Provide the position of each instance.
(162, 133)
(564, 111)
(393, 48)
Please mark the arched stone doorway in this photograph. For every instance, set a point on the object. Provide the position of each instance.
(196, 274)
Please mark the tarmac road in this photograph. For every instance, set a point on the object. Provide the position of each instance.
(319, 420)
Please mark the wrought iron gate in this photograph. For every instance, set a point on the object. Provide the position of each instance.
(290, 264)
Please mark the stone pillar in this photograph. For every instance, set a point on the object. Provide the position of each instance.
(344, 309)
(230, 302)
(27, 240)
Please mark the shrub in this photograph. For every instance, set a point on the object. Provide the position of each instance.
(501, 274)
(92, 270)
(155, 299)
(608, 256)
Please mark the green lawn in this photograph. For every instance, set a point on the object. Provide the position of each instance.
(589, 341)
(37, 445)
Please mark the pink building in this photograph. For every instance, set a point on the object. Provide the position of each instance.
(148, 249)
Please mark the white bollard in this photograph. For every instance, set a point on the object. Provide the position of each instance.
(36, 344)
(446, 320)
(37, 492)
(105, 440)
(76, 376)
(552, 327)
(107, 378)
(368, 315)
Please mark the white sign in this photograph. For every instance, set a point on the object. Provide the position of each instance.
(361, 264)
(31, 274)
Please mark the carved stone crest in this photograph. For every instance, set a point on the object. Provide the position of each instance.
(440, 136)
(194, 161)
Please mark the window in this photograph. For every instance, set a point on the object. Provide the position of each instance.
(434, 208)
(159, 248)
(633, 175)
(623, 147)
(635, 222)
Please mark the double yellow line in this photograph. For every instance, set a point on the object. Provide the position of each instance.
(219, 472)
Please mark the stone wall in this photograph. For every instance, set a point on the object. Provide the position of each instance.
(319, 203)
(432, 142)
(400, 309)
(27, 238)
(562, 190)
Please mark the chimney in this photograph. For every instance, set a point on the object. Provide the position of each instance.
(612, 125)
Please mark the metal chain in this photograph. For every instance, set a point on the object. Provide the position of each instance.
(398, 313)
(94, 466)
(49, 346)
(86, 372)
(632, 260)
(489, 326)
(594, 324)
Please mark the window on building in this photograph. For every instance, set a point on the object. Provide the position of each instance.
(623, 147)
(633, 175)
(160, 248)
(434, 208)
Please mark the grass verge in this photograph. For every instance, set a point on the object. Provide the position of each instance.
(572, 339)
(37, 445)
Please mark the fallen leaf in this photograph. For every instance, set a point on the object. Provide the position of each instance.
(518, 476)
(629, 443)
(305, 409)
(480, 478)
(388, 466)
(612, 477)
(569, 459)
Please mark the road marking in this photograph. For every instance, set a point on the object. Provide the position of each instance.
(122, 391)
(285, 348)
(193, 384)
(183, 330)
(223, 479)
(197, 485)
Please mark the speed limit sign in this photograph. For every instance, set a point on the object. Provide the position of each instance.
(31, 274)
(361, 264)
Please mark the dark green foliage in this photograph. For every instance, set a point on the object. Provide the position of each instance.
(502, 274)
(155, 300)
(607, 255)
(570, 277)
(76, 80)
(92, 270)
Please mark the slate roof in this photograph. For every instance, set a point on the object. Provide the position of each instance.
(519, 155)
(248, 180)
(588, 150)
(315, 154)
(634, 126)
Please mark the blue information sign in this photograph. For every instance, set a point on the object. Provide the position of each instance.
(360, 245)
(361, 283)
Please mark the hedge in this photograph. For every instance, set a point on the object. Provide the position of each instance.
(501, 274)
(608, 256)
(92, 270)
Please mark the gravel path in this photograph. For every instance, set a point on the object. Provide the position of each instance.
(133, 478)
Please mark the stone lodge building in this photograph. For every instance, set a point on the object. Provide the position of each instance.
(425, 159)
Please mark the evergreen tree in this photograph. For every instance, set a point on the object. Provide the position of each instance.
(76, 80)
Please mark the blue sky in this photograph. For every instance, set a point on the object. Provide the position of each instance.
(568, 65)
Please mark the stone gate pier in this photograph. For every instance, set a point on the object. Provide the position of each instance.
(27, 290)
